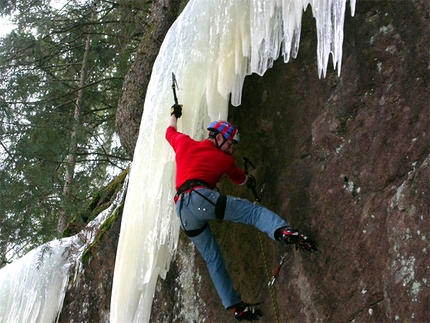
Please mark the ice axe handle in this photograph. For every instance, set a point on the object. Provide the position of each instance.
(246, 161)
(174, 84)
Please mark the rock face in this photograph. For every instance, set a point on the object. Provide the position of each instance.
(345, 160)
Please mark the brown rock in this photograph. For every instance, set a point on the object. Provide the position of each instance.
(344, 159)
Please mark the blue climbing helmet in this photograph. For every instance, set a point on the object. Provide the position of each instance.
(228, 130)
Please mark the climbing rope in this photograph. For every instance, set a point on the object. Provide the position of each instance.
(257, 200)
(266, 266)
(266, 269)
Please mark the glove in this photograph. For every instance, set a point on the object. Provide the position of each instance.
(251, 182)
(176, 110)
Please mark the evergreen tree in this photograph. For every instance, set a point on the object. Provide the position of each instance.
(55, 62)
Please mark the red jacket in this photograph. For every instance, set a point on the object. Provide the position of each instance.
(201, 160)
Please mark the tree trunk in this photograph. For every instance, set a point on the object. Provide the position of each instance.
(71, 158)
(130, 105)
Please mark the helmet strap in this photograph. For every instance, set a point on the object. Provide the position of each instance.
(223, 142)
(214, 136)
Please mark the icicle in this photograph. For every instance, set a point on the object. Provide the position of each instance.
(32, 288)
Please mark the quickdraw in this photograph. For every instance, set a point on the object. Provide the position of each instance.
(276, 273)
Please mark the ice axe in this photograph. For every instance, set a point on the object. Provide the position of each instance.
(257, 196)
(176, 109)
(174, 85)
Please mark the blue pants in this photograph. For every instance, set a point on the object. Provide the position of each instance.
(197, 210)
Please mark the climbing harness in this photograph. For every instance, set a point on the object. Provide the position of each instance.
(187, 188)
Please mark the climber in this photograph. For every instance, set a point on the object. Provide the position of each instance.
(199, 166)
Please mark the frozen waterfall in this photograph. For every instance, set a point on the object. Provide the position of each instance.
(211, 47)
(32, 288)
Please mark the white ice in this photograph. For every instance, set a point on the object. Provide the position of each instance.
(211, 47)
(32, 288)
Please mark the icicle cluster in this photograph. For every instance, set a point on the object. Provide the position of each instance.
(211, 47)
(32, 288)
